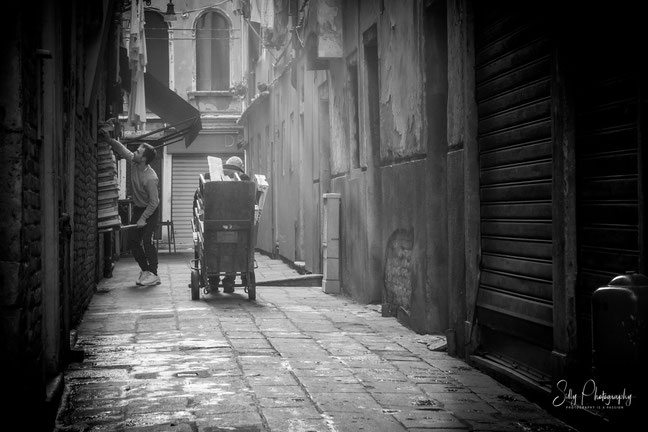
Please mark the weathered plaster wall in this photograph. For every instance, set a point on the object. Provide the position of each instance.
(207, 143)
(355, 272)
(260, 162)
(314, 164)
(340, 121)
(462, 176)
(361, 249)
(329, 22)
(286, 153)
(438, 190)
(394, 221)
(401, 82)
(405, 218)
(393, 215)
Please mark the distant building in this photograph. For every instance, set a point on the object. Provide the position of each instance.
(197, 57)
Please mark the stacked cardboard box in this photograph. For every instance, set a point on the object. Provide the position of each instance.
(216, 169)
(262, 188)
(107, 188)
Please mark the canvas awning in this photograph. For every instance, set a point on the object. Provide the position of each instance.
(183, 119)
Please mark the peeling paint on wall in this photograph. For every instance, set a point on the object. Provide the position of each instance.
(401, 82)
(339, 120)
(329, 19)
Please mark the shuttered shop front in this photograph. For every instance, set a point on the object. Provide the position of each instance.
(186, 170)
(610, 97)
(513, 88)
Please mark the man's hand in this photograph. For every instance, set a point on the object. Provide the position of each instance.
(103, 135)
(141, 223)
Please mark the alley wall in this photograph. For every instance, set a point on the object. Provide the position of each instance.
(356, 124)
(53, 94)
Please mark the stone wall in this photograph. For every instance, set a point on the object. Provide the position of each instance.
(20, 224)
(42, 99)
(85, 239)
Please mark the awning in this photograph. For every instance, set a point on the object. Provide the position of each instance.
(255, 102)
(183, 119)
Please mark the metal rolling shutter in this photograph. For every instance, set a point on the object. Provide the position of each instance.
(608, 176)
(514, 303)
(185, 171)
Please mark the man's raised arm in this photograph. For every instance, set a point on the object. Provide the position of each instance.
(118, 147)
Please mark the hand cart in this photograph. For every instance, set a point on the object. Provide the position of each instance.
(224, 235)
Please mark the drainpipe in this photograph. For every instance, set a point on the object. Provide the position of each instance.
(275, 217)
(273, 107)
(275, 177)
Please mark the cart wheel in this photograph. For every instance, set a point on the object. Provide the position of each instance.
(251, 287)
(203, 279)
(195, 285)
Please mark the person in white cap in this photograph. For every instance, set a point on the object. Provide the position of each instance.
(233, 168)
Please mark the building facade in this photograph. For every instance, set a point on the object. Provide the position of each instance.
(197, 54)
(488, 156)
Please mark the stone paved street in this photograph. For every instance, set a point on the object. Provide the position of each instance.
(297, 359)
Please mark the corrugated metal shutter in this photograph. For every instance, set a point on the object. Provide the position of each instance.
(185, 171)
(513, 69)
(608, 175)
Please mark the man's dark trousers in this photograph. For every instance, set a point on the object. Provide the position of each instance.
(141, 241)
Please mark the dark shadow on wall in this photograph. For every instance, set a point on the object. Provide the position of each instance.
(397, 276)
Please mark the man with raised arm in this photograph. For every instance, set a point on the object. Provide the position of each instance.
(144, 182)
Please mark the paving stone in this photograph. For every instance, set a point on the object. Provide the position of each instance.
(245, 335)
(243, 344)
(329, 384)
(346, 402)
(444, 387)
(248, 421)
(265, 391)
(360, 422)
(477, 411)
(300, 418)
(285, 402)
(202, 405)
(391, 386)
(399, 400)
(296, 359)
(429, 419)
(272, 378)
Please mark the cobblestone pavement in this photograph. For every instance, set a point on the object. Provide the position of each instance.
(297, 359)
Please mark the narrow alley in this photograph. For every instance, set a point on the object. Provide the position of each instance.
(297, 359)
(462, 173)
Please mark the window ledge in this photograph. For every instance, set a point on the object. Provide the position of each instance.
(200, 93)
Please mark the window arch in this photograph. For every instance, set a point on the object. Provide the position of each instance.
(212, 52)
(157, 46)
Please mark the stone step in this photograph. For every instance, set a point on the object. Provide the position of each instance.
(309, 280)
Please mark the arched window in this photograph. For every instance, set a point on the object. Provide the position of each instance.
(212, 52)
(157, 46)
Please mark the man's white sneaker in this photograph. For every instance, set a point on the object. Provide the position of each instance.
(141, 276)
(151, 279)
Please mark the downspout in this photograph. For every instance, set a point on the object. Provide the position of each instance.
(275, 195)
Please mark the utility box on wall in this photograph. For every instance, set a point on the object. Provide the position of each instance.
(331, 244)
